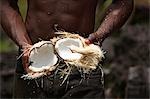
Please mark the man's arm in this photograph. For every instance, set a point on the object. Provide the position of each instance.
(116, 15)
(13, 24)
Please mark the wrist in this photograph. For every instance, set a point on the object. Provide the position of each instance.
(24, 41)
(25, 45)
(101, 35)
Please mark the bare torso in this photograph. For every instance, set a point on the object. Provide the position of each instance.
(70, 15)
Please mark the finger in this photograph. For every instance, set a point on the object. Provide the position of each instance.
(87, 42)
(25, 62)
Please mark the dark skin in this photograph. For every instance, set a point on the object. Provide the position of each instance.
(70, 15)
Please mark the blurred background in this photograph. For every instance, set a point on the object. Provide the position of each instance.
(126, 66)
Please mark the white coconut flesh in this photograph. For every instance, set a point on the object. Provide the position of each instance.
(42, 56)
(63, 48)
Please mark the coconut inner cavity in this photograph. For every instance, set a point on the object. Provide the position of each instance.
(63, 48)
(42, 57)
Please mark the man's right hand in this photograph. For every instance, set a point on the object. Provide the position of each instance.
(25, 57)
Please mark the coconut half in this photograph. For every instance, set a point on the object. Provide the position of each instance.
(77, 54)
(73, 49)
(42, 56)
(42, 60)
(63, 48)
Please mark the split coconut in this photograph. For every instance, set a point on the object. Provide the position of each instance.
(42, 60)
(75, 52)
(71, 48)
(42, 57)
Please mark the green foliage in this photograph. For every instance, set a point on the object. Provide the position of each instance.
(100, 11)
(6, 46)
(23, 7)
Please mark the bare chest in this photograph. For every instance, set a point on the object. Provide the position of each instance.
(64, 6)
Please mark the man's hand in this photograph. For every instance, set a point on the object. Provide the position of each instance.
(90, 39)
(94, 37)
(25, 57)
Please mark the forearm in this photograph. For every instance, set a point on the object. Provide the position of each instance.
(116, 15)
(13, 25)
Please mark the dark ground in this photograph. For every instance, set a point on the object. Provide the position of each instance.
(126, 65)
